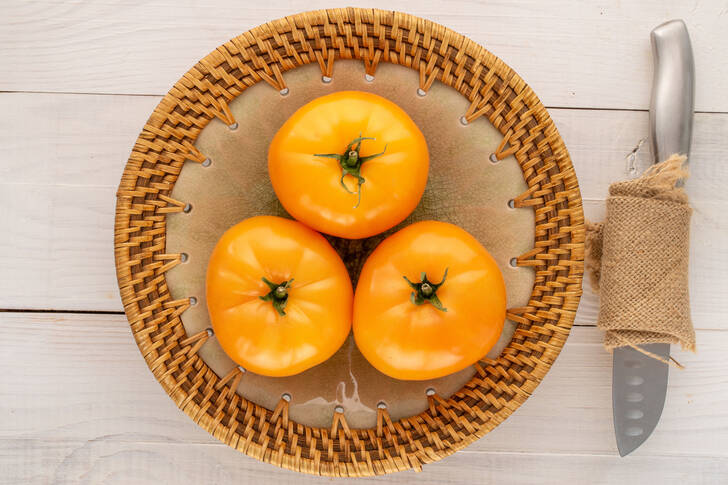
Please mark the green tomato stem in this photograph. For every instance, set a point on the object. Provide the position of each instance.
(426, 291)
(351, 163)
(278, 294)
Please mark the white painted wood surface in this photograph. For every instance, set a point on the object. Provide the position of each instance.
(77, 404)
(78, 391)
(591, 54)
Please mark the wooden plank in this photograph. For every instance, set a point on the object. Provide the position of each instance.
(69, 140)
(574, 54)
(106, 460)
(58, 247)
(58, 195)
(81, 378)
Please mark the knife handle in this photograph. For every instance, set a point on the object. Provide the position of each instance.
(673, 90)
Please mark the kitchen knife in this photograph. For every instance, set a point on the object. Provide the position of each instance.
(639, 382)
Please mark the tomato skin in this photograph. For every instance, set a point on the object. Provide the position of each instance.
(317, 317)
(417, 342)
(309, 187)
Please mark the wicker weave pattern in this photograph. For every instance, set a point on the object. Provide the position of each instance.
(265, 54)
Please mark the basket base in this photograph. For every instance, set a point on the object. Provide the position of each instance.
(465, 188)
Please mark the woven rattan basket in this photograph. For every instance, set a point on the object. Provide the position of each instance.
(265, 53)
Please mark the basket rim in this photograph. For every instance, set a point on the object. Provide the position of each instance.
(265, 53)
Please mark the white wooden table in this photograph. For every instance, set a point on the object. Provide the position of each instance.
(77, 82)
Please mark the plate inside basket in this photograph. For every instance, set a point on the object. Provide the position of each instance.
(467, 186)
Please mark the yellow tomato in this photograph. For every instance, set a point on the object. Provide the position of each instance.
(278, 295)
(349, 164)
(430, 301)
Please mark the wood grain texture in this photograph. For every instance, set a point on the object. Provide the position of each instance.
(81, 378)
(589, 54)
(66, 180)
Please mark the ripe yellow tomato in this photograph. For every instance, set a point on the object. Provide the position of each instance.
(278, 295)
(349, 164)
(430, 301)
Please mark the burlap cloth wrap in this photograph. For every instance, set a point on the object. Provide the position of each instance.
(638, 260)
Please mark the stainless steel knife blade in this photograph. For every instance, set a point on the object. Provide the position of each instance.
(639, 385)
(639, 382)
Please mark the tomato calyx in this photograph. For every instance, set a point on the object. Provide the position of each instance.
(426, 291)
(351, 163)
(278, 294)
